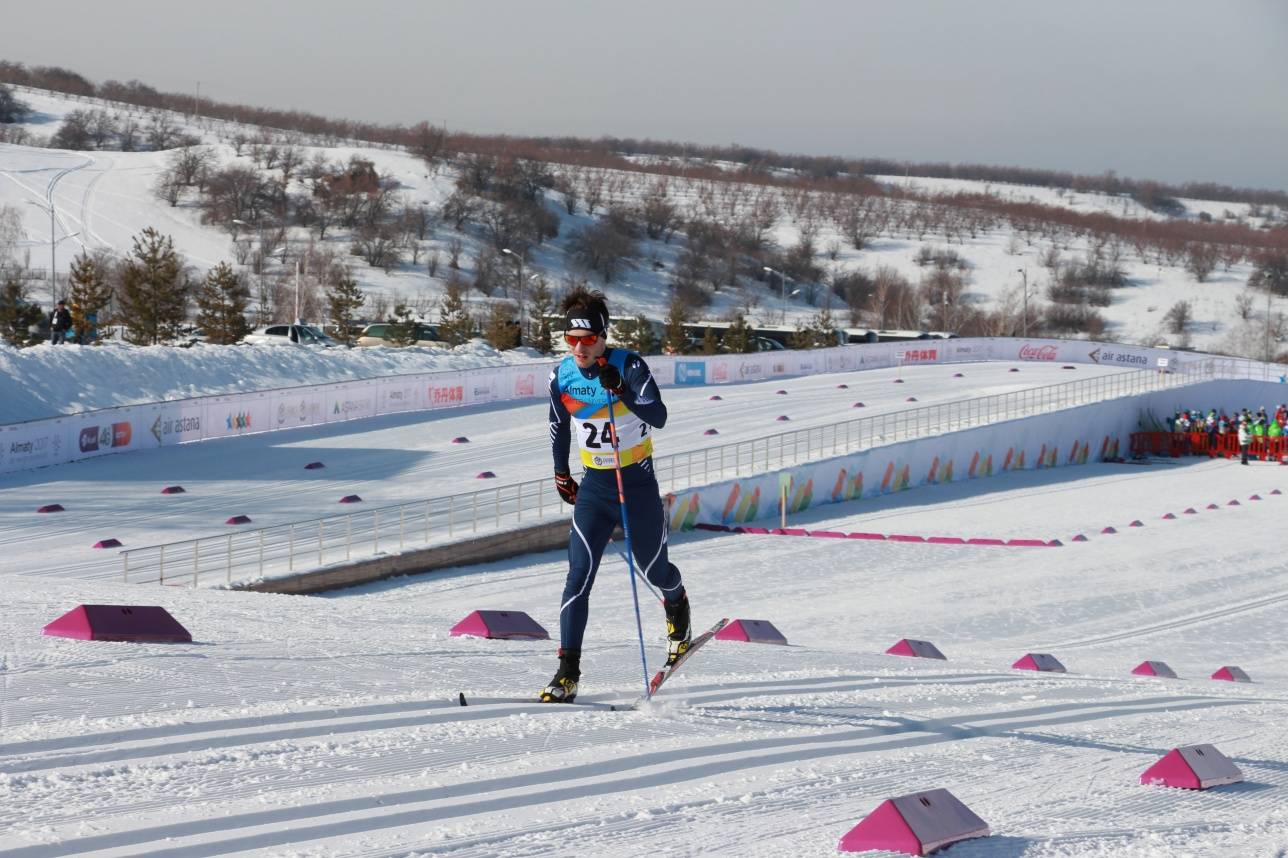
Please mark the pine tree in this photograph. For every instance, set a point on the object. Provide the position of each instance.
(16, 314)
(344, 299)
(738, 339)
(636, 334)
(710, 343)
(499, 327)
(823, 326)
(540, 335)
(222, 299)
(455, 325)
(154, 291)
(674, 340)
(402, 327)
(91, 294)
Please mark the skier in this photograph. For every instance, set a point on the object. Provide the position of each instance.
(582, 388)
(1244, 437)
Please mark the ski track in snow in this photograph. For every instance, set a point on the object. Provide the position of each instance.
(328, 726)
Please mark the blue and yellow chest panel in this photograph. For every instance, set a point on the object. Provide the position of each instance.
(587, 403)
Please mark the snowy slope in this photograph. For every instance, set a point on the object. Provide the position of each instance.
(109, 200)
(327, 726)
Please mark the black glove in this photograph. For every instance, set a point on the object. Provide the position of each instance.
(567, 487)
(611, 379)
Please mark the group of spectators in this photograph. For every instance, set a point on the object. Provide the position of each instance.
(1248, 425)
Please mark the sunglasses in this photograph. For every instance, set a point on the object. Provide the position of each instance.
(585, 340)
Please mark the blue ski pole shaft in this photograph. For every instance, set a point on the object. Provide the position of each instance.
(626, 532)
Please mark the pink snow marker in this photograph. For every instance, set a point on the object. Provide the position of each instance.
(715, 397)
(862, 535)
(1109, 529)
(1028, 543)
(350, 499)
(1137, 523)
(1154, 668)
(721, 528)
(759, 531)
(1189, 510)
(916, 649)
(108, 543)
(173, 490)
(1230, 673)
(828, 534)
(946, 540)
(313, 466)
(842, 387)
(915, 824)
(1276, 491)
(1041, 661)
(1080, 538)
(1169, 516)
(959, 375)
(789, 531)
(1213, 506)
(1055, 543)
(507, 625)
(485, 475)
(905, 537)
(136, 623)
(752, 631)
(1068, 366)
(1192, 767)
(780, 392)
(711, 432)
(1254, 497)
(985, 540)
(238, 519)
(460, 439)
(858, 405)
(1014, 369)
(898, 381)
(50, 507)
(911, 399)
(782, 418)
(1234, 502)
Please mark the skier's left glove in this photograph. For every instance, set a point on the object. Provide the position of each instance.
(611, 379)
(567, 487)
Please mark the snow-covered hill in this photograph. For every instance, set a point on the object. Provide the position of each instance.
(107, 197)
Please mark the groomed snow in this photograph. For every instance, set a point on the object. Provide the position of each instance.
(327, 726)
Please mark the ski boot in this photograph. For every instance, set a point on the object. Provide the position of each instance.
(679, 632)
(563, 688)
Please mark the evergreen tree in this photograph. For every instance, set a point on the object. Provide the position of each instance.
(454, 324)
(91, 293)
(402, 326)
(738, 339)
(222, 299)
(540, 335)
(154, 290)
(499, 327)
(343, 300)
(636, 334)
(16, 314)
(674, 340)
(823, 326)
(710, 343)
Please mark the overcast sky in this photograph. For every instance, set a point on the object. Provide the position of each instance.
(1176, 90)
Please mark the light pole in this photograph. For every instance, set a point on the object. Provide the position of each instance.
(1025, 322)
(53, 246)
(518, 259)
(782, 282)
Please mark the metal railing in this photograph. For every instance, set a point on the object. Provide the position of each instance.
(314, 543)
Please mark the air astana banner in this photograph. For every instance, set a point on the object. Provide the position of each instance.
(56, 440)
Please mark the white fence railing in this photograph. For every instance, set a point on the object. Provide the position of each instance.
(299, 546)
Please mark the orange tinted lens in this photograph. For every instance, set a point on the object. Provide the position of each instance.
(587, 340)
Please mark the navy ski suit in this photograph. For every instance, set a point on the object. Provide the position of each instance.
(579, 402)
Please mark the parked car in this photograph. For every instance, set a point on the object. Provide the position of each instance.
(765, 344)
(304, 335)
(378, 335)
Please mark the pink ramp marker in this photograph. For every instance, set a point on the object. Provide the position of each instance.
(1230, 673)
(351, 499)
(460, 439)
(1040, 661)
(1189, 510)
(985, 540)
(946, 540)
(50, 507)
(1213, 506)
(1234, 503)
(1192, 767)
(789, 531)
(108, 543)
(911, 399)
(842, 387)
(782, 418)
(780, 392)
(752, 631)
(1080, 538)
(1154, 668)
(1169, 516)
(915, 824)
(1014, 369)
(506, 625)
(711, 432)
(238, 519)
(916, 649)
(715, 397)
(1110, 529)
(1137, 523)
(313, 466)
(1254, 497)
(858, 405)
(959, 375)
(1276, 491)
(485, 475)
(858, 534)
(134, 623)
(173, 490)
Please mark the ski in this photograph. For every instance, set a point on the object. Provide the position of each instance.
(667, 672)
(462, 700)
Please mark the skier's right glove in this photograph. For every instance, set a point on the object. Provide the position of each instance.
(567, 487)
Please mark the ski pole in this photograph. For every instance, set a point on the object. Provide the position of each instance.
(626, 532)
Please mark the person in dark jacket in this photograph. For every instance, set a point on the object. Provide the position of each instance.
(583, 387)
(60, 322)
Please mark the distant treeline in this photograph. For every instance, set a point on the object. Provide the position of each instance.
(607, 151)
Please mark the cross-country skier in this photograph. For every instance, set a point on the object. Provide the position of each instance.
(582, 387)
